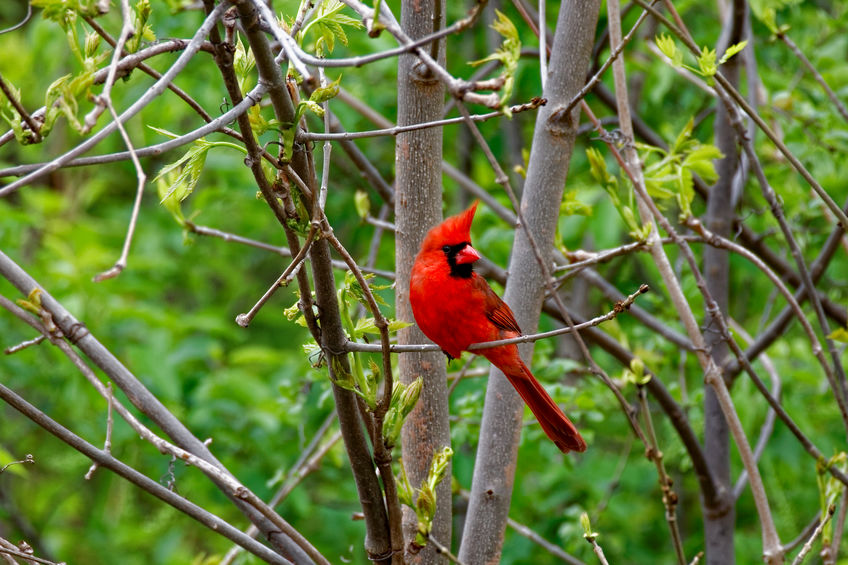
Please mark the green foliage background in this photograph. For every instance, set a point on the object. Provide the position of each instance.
(169, 316)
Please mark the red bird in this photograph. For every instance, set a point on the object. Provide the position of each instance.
(455, 307)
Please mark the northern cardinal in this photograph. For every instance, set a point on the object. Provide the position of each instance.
(455, 307)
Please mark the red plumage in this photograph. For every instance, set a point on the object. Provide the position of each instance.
(455, 307)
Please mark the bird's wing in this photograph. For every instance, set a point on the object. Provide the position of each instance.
(496, 309)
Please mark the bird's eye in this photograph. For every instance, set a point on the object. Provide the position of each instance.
(446, 248)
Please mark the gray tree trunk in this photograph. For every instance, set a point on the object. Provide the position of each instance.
(719, 528)
(553, 142)
(418, 207)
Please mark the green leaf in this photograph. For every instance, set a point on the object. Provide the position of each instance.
(169, 198)
(32, 303)
(683, 137)
(667, 46)
(598, 168)
(305, 105)
(175, 182)
(587, 527)
(341, 376)
(92, 43)
(362, 204)
(258, 123)
(243, 63)
(707, 62)
(328, 24)
(8, 113)
(839, 334)
(597, 165)
(766, 12)
(288, 134)
(732, 50)
(164, 132)
(143, 31)
(700, 161)
(685, 191)
(404, 398)
(395, 325)
(353, 287)
(364, 326)
(572, 206)
(327, 92)
(64, 12)
(508, 54)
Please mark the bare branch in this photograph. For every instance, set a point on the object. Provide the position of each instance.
(840, 107)
(251, 99)
(305, 136)
(808, 546)
(750, 111)
(107, 461)
(61, 320)
(619, 308)
(141, 177)
(28, 459)
(191, 50)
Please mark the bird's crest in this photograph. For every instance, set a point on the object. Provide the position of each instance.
(453, 230)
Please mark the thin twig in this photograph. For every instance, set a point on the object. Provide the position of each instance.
(397, 130)
(107, 444)
(279, 250)
(768, 424)
(669, 497)
(816, 533)
(283, 280)
(805, 533)
(28, 120)
(23, 345)
(21, 23)
(307, 462)
(185, 57)
(840, 107)
(26, 460)
(105, 99)
(105, 460)
(461, 374)
(442, 550)
(250, 99)
(618, 309)
(737, 98)
(616, 51)
(599, 552)
(27, 556)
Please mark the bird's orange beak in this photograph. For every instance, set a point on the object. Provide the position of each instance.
(467, 255)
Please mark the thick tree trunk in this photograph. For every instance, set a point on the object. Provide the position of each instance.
(719, 528)
(553, 142)
(418, 207)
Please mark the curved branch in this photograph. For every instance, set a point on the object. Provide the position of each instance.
(107, 461)
(190, 51)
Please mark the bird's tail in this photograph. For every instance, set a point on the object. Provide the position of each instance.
(554, 422)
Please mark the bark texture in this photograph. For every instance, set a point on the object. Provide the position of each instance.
(418, 207)
(553, 142)
(719, 526)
